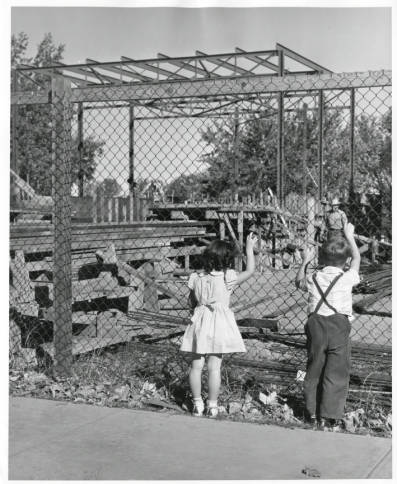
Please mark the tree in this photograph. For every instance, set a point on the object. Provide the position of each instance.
(33, 123)
(109, 187)
(250, 146)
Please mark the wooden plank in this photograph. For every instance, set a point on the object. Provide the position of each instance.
(80, 259)
(24, 291)
(128, 226)
(45, 246)
(271, 324)
(86, 344)
(161, 288)
(363, 306)
(42, 238)
(114, 234)
(247, 305)
(221, 229)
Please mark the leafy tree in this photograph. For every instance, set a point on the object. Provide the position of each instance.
(33, 127)
(109, 187)
(252, 147)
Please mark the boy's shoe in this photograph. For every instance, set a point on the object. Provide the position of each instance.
(312, 421)
(329, 425)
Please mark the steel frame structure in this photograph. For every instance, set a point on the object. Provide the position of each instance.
(200, 86)
(165, 68)
(197, 86)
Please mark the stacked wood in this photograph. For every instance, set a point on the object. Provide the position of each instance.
(379, 285)
(31, 247)
(102, 278)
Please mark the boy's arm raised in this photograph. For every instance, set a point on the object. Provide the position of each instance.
(300, 279)
(250, 269)
(356, 256)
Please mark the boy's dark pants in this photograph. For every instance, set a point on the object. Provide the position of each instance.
(328, 367)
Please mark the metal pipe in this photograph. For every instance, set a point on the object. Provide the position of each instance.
(131, 180)
(280, 150)
(62, 220)
(80, 146)
(304, 157)
(236, 147)
(320, 144)
(280, 125)
(14, 118)
(352, 150)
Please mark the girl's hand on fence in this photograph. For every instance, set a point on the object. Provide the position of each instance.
(252, 239)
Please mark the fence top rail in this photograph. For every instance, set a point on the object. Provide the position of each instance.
(203, 88)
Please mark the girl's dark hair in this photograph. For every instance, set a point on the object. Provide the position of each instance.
(218, 256)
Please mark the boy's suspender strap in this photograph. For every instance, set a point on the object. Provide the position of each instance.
(323, 296)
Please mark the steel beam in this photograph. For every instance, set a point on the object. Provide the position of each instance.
(119, 71)
(301, 59)
(156, 69)
(225, 64)
(213, 87)
(185, 65)
(259, 60)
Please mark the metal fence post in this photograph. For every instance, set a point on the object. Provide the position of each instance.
(80, 146)
(320, 144)
(304, 157)
(131, 181)
(61, 189)
(280, 150)
(236, 148)
(14, 124)
(352, 150)
(280, 126)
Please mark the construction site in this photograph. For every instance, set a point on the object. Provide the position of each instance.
(144, 162)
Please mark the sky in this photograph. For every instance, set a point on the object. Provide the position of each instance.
(340, 39)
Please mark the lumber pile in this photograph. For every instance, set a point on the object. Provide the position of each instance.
(378, 285)
(119, 267)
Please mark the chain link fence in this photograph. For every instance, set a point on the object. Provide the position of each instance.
(116, 191)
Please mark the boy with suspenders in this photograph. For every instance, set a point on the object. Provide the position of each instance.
(328, 327)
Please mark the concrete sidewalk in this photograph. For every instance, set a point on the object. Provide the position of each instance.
(63, 441)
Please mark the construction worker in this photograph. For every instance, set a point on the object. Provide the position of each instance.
(335, 219)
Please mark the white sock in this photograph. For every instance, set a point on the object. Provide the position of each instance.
(212, 403)
(198, 402)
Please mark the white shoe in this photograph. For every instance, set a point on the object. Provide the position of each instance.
(198, 410)
(212, 412)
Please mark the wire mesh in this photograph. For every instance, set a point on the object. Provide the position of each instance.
(136, 190)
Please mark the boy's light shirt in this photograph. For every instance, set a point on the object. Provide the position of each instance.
(340, 296)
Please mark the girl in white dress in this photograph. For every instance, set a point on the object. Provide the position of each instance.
(213, 329)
